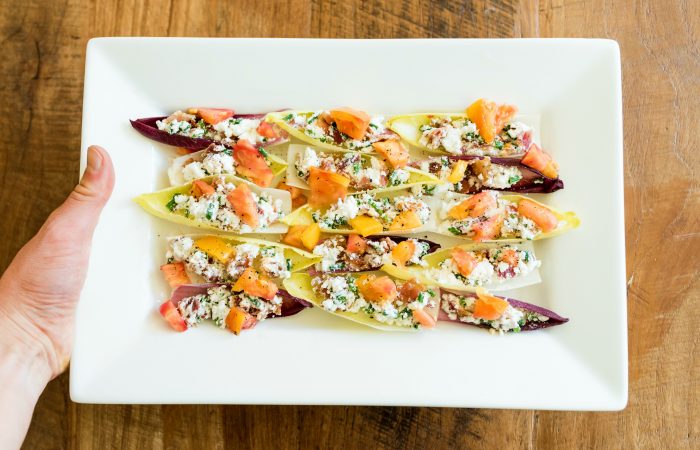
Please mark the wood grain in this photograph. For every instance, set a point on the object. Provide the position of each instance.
(41, 74)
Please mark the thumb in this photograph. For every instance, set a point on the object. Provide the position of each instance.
(83, 206)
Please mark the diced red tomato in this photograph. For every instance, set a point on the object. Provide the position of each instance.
(175, 274)
(252, 164)
(243, 204)
(464, 260)
(409, 291)
(266, 129)
(393, 151)
(255, 285)
(424, 318)
(488, 307)
(541, 161)
(540, 214)
(238, 320)
(201, 188)
(474, 206)
(403, 252)
(377, 289)
(213, 116)
(326, 187)
(510, 257)
(489, 118)
(350, 121)
(172, 316)
(488, 229)
(356, 244)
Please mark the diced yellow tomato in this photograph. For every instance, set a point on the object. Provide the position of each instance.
(377, 289)
(356, 244)
(410, 290)
(405, 220)
(201, 188)
(238, 320)
(541, 161)
(422, 317)
(403, 252)
(350, 121)
(243, 204)
(293, 236)
(169, 311)
(474, 206)
(366, 225)
(251, 164)
(488, 229)
(255, 285)
(326, 187)
(310, 236)
(540, 214)
(266, 129)
(488, 307)
(393, 151)
(212, 116)
(298, 197)
(464, 260)
(459, 168)
(215, 247)
(489, 118)
(175, 274)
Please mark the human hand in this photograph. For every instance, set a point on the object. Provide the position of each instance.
(40, 289)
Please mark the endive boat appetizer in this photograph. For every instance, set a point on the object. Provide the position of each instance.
(243, 160)
(355, 253)
(467, 267)
(473, 174)
(235, 307)
(221, 203)
(387, 212)
(222, 259)
(491, 216)
(497, 314)
(198, 128)
(370, 298)
(338, 129)
(333, 173)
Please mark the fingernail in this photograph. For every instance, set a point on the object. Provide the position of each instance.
(94, 159)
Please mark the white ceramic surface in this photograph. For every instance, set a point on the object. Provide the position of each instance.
(125, 353)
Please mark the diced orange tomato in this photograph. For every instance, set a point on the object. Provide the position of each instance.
(215, 247)
(175, 274)
(410, 290)
(243, 204)
(350, 121)
(266, 129)
(237, 320)
(201, 188)
(403, 252)
(488, 307)
(510, 257)
(489, 118)
(488, 229)
(540, 214)
(212, 116)
(251, 164)
(326, 187)
(424, 318)
(172, 316)
(310, 236)
(474, 206)
(255, 285)
(298, 197)
(377, 289)
(293, 236)
(393, 151)
(405, 220)
(459, 168)
(366, 225)
(356, 244)
(464, 260)
(541, 161)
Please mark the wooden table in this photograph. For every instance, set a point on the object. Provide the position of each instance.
(43, 50)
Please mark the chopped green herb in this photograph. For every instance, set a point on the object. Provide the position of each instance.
(263, 152)
(498, 145)
(210, 210)
(171, 204)
(288, 117)
(514, 179)
(454, 230)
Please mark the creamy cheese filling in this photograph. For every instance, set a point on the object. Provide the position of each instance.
(319, 126)
(382, 208)
(335, 257)
(461, 137)
(228, 131)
